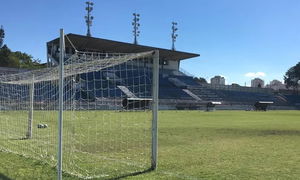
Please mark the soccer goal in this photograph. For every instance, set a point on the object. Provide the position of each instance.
(73, 115)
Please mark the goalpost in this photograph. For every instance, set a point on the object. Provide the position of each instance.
(71, 116)
(30, 111)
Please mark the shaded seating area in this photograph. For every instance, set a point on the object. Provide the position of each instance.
(262, 105)
(211, 106)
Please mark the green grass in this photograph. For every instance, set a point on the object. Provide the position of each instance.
(192, 145)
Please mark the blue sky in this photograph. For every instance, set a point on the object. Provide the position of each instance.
(239, 39)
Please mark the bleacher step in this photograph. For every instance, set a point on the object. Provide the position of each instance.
(192, 94)
(126, 91)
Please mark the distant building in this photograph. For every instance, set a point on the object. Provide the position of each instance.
(257, 82)
(276, 85)
(217, 80)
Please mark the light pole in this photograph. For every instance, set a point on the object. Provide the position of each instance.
(174, 35)
(88, 17)
(136, 25)
(2, 35)
(298, 83)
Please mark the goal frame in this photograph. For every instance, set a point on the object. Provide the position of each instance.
(155, 104)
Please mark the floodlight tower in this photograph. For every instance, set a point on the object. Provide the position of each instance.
(88, 17)
(136, 25)
(174, 35)
(2, 35)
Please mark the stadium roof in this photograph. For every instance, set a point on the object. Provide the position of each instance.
(85, 43)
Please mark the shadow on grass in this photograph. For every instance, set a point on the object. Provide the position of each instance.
(259, 132)
(18, 139)
(3, 177)
(132, 174)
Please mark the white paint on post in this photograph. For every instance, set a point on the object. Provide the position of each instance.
(30, 113)
(61, 104)
(155, 86)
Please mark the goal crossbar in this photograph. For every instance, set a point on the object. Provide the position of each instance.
(78, 63)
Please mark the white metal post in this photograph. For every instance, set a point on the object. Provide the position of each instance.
(155, 86)
(61, 105)
(30, 115)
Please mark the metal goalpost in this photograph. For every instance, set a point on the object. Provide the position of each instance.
(154, 107)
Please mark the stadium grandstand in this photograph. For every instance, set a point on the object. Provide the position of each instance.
(7, 70)
(177, 90)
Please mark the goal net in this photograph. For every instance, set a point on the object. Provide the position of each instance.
(107, 114)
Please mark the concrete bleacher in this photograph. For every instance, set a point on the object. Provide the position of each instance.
(247, 97)
(205, 93)
(169, 90)
(176, 90)
(293, 99)
(110, 83)
(7, 70)
(232, 96)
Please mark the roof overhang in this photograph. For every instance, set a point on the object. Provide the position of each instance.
(85, 43)
(265, 102)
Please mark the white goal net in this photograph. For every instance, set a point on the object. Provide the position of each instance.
(107, 114)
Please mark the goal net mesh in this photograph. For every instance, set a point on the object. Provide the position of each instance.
(107, 114)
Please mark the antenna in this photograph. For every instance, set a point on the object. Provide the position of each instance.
(136, 25)
(88, 17)
(174, 35)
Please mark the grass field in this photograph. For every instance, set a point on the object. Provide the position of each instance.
(201, 145)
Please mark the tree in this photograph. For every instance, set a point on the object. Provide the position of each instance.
(201, 80)
(2, 35)
(292, 76)
(17, 59)
(5, 53)
(25, 60)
